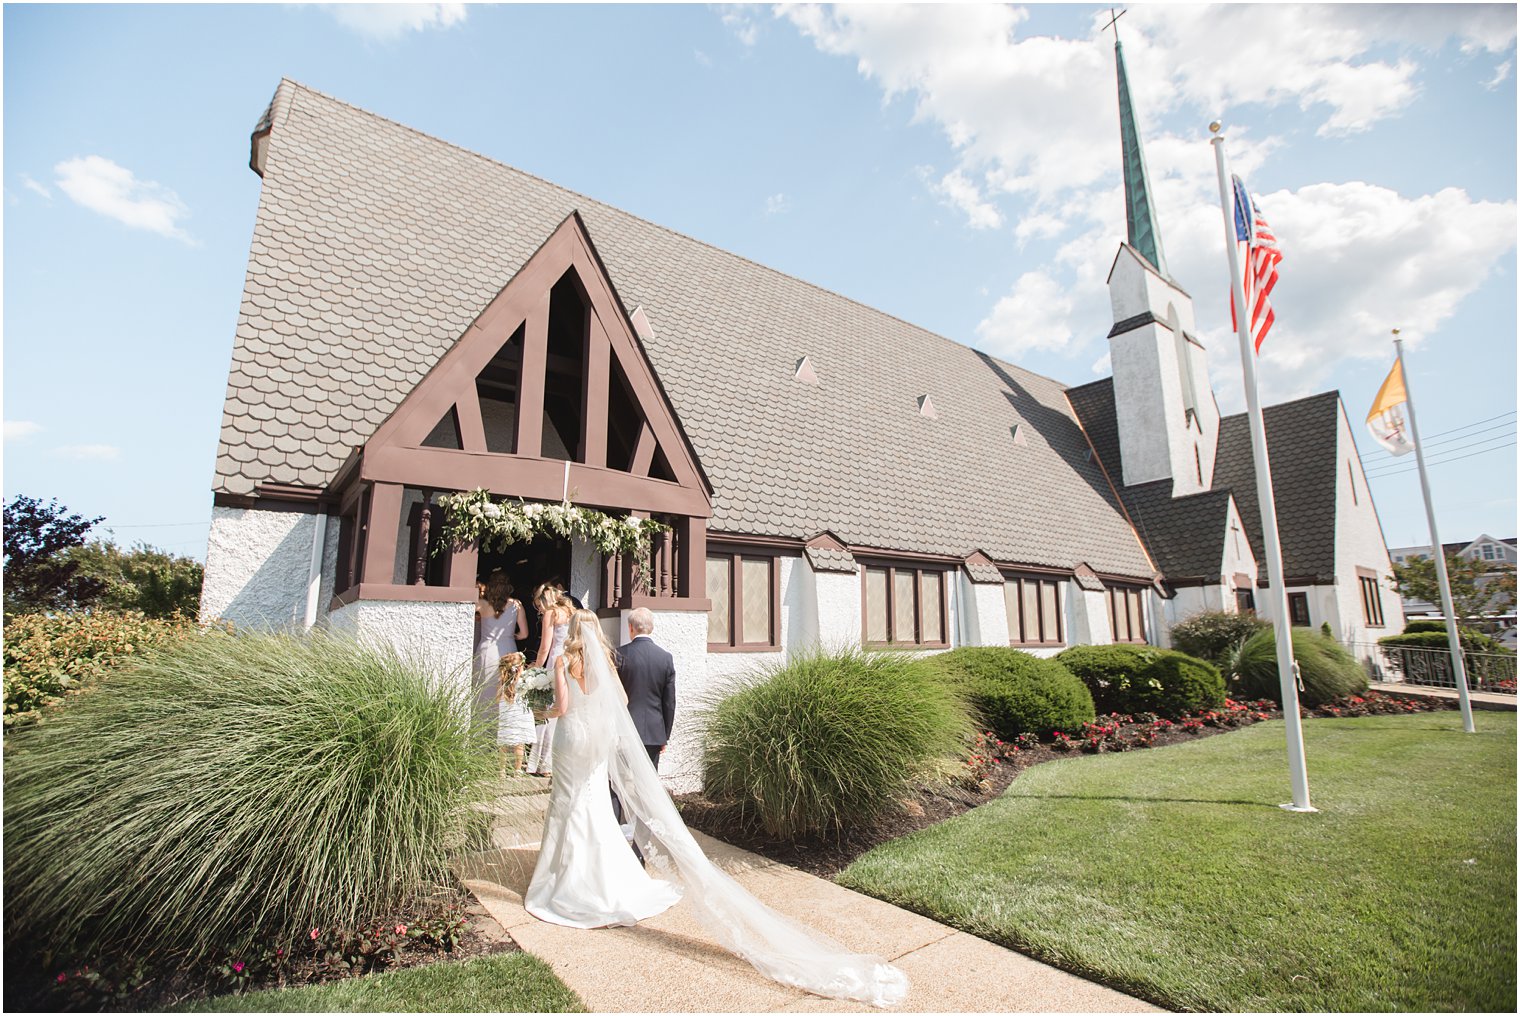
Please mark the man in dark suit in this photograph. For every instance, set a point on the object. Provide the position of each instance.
(649, 678)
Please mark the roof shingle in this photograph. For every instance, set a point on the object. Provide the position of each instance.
(376, 246)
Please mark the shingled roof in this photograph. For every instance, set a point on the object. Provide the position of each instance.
(375, 247)
(1301, 441)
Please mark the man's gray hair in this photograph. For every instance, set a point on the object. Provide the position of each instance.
(641, 620)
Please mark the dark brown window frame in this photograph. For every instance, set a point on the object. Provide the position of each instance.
(1113, 620)
(1014, 638)
(1245, 600)
(918, 568)
(737, 553)
(1372, 598)
(1295, 600)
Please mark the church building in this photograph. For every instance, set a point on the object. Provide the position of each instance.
(419, 320)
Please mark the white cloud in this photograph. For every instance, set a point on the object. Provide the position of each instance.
(1034, 315)
(739, 19)
(1103, 365)
(1501, 74)
(702, 58)
(388, 22)
(89, 452)
(35, 187)
(17, 429)
(776, 204)
(1033, 124)
(956, 190)
(102, 186)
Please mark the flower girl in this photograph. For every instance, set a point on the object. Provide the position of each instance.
(516, 726)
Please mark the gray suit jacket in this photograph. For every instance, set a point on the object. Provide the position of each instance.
(649, 677)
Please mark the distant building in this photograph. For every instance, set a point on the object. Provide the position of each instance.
(1484, 548)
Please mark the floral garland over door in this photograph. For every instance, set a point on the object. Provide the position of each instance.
(474, 517)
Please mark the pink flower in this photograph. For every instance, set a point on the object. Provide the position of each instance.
(237, 968)
(62, 977)
(401, 929)
(314, 933)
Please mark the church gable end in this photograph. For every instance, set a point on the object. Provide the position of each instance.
(549, 374)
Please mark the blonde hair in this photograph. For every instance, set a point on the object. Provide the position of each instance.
(575, 641)
(510, 670)
(547, 598)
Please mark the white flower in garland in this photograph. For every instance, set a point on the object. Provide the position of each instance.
(474, 517)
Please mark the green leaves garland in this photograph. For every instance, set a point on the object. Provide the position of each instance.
(474, 517)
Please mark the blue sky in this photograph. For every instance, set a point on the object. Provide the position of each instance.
(957, 167)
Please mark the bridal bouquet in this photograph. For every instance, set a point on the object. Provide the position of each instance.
(536, 689)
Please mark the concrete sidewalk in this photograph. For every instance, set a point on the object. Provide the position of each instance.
(670, 964)
(1479, 699)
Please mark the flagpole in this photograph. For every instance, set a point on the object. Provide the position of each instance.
(1453, 639)
(1277, 594)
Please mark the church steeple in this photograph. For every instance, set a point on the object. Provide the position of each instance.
(1144, 234)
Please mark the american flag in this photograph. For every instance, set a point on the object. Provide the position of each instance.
(1258, 259)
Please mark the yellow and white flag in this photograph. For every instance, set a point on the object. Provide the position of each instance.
(1388, 420)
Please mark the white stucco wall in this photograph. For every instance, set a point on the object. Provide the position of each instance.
(257, 567)
(838, 609)
(1359, 544)
(1086, 617)
(1156, 441)
(984, 617)
(439, 636)
(683, 634)
(585, 573)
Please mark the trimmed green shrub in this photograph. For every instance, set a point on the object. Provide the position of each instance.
(49, 657)
(1212, 635)
(829, 740)
(1136, 679)
(229, 787)
(1328, 671)
(1017, 693)
(1422, 624)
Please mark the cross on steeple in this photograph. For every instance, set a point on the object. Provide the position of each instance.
(1113, 22)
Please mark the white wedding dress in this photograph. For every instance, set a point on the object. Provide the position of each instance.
(586, 876)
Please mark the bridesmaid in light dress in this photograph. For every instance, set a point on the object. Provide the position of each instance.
(499, 625)
(555, 609)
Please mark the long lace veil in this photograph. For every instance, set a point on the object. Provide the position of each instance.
(775, 945)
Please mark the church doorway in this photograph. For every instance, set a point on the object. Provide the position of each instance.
(527, 565)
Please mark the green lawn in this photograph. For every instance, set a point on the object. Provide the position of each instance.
(1173, 874)
(512, 982)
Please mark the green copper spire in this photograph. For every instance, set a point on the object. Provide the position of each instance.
(1144, 235)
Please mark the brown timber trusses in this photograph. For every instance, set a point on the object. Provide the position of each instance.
(620, 402)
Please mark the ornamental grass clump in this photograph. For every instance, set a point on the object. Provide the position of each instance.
(1328, 671)
(229, 787)
(829, 740)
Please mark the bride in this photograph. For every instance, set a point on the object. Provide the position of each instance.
(587, 877)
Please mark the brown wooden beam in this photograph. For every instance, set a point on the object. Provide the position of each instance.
(472, 430)
(692, 566)
(643, 451)
(593, 451)
(530, 390)
(532, 478)
(382, 530)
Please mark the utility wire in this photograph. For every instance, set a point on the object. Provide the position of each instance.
(1454, 430)
(1378, 467)
(1449, 440)
(1437, 456)
(1441, 461)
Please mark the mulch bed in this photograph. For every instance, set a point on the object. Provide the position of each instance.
(107, 989)
(931, 804)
